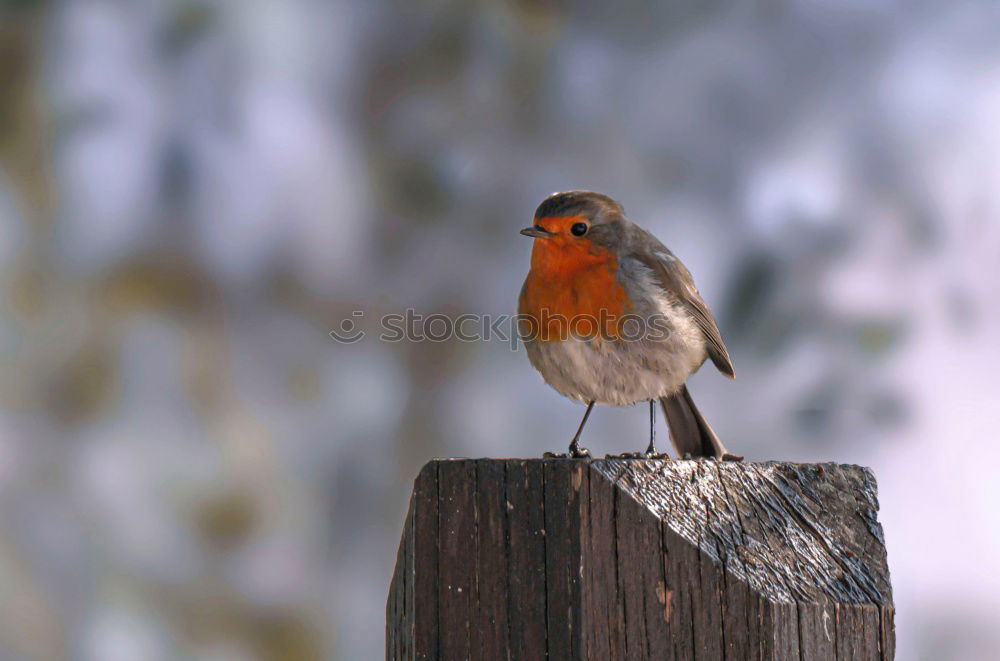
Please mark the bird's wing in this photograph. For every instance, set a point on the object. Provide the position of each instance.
(676, 280)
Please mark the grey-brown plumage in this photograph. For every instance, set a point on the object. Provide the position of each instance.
(689, 431)
(660, 290)
(675, 279)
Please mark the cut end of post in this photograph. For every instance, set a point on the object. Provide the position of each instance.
(641, 558)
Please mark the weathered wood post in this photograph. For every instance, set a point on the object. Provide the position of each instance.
(640, 559)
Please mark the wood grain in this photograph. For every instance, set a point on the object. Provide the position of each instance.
(640, 559)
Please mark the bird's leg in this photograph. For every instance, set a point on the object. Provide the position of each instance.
(651, 450)
(575, 451)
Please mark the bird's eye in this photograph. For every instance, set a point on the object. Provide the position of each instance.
(579, 229)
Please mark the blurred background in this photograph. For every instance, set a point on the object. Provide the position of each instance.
(194, 193)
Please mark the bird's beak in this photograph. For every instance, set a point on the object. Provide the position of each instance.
(537, 232)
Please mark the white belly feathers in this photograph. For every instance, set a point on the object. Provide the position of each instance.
(623, 372)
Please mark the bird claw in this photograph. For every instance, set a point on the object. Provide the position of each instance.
(575, 452)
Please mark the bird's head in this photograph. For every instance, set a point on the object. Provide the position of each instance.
(575, 228)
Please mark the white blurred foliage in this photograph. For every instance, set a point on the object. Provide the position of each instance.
(853, 148)
(107, 91)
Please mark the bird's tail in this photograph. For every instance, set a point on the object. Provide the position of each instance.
(689, 431)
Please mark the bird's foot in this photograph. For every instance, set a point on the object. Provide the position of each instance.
(651, 453)
(574, 452)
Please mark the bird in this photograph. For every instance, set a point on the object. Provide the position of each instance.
(609, 315)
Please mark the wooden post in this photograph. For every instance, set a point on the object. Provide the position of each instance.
(640, 559)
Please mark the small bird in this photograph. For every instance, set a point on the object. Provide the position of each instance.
(609, 315)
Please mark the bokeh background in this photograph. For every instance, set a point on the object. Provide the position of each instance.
(193, 193)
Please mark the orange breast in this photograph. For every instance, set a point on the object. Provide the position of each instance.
(571, 290)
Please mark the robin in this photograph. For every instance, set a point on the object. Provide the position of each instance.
(609, 315)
